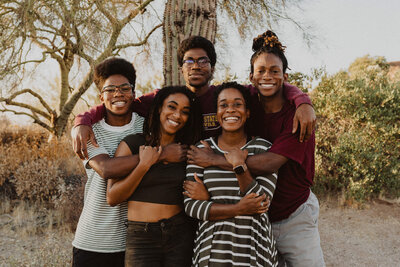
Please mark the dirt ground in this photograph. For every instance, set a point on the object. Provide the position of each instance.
(360, 237)
(369, 236)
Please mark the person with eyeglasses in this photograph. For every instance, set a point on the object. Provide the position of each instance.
(101, 232)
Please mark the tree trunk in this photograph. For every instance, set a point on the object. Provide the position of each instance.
(183, 19)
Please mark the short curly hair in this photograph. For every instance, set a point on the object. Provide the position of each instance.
(197, 42)
(114, 66)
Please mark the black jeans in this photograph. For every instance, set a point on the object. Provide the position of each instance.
(84, 258)
(168, 242)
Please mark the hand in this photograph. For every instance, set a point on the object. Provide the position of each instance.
(202, 157)
(236, 156)
(149, 155)
(305, 116)
(252, 204)
(80, 135)
(174, 153)
(196, 190)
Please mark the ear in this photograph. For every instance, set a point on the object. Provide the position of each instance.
(248, 113)
(285, 77)
(101, 97)
(251, 77)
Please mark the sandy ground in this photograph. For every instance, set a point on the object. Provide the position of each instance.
(361, 237)
(349, 237)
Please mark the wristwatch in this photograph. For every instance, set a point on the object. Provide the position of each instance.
(240, 169)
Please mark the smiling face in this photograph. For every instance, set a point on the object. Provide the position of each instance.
(174, 113)
(268, 76)
(232, 113)
(197, 77)
(118, 103)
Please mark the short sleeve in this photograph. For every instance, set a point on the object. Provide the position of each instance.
(93, 152)
(134, 141)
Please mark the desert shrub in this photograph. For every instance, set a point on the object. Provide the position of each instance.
(33, 169)
(358, 147)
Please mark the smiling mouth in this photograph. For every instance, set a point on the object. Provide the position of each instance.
(266, 86)
(119, 103)
(231, 119)
(174, 123)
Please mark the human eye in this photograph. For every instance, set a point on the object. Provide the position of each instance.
(238, 104)
(203, 60)
(223, 105)
(126, 88)
(170, 106)
(188, 61)
(109, 89)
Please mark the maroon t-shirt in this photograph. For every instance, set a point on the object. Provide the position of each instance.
(295, 177)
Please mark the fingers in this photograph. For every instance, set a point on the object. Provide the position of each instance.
(205, 144)
(303, 130)
(197, 178)
(83, 145)
(93, 138)
(295, 124)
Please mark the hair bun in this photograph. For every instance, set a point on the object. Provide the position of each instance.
(268, 40)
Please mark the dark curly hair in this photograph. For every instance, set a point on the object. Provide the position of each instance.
(197, 42)
(189, 134)
(113, 66)
(245, 93)
(268, 42)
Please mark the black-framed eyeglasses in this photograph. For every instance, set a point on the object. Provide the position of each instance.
(202, 62)
(125, 88)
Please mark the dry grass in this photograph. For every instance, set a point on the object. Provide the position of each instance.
(33, 235)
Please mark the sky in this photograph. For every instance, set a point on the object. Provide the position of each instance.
(345, 30)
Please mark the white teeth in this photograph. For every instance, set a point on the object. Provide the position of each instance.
(173, 122)
(119, 103)
(266, 85)
(231, 119)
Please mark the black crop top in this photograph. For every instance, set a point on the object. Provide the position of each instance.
(162, 183)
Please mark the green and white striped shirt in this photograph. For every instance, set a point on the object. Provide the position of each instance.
(101, 228)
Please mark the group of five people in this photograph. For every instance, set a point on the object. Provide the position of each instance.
(203, 175)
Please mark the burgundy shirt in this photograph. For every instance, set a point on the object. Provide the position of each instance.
(142, 105)
(295, 177)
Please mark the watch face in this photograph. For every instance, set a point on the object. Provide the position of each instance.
(239, 169)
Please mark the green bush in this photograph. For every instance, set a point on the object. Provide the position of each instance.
(358, 136)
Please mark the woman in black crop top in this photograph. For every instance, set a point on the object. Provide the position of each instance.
(159, 232)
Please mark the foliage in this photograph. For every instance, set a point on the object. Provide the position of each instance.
(33, 169)
(69, 34)
(358, 148)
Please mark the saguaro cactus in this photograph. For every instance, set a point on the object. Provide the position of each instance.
(182, 19)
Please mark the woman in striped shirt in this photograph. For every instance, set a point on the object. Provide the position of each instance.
(234, 229)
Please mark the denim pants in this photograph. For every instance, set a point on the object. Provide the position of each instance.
(168, 242)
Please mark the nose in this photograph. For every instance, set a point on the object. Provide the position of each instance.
(267, 75)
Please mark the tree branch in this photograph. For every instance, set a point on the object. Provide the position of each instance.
(141, 42)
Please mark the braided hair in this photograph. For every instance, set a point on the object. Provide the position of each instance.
(268, 42)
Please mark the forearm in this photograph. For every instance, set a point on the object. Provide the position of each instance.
(117, 167)
(222, 211)
(295, 95)
(90, 117)
(119, 191)
(265, 163)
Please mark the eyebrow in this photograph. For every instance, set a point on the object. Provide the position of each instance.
(237, 98)
(172, 101)
(197, 58)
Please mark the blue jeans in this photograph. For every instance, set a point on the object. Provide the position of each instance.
(168, 242)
